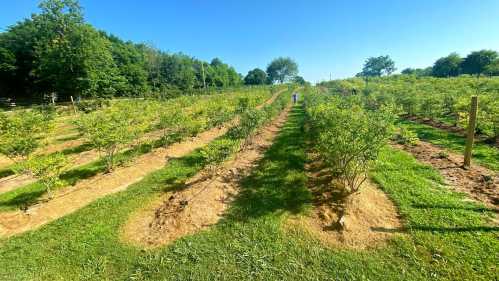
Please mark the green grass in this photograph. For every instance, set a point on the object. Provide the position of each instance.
(447, 239)
(483, 154)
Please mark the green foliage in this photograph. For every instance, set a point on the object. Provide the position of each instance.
(406, 136)
(420, 72)
(55, 51)
(348, 137)
(47, 169)
(378, 66)
(281, 69)
(110, 129)
(299, 80)
(477, 62)
(447, 66)
(90, 105)
(218, 151)
(255, 77)
(249, 120)
(445, 100)
(21, 133)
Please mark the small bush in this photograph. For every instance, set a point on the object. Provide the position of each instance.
(88, 106)
(406, 136)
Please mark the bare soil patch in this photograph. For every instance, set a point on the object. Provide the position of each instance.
(481, 184)
(4, 161)
(364, 213)
(202, 200)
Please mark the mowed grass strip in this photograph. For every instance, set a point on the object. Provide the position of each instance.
(483, 154)
(447, 238)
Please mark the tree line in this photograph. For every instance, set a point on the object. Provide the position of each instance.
(280, 70)
(55, 52)
(483, 62)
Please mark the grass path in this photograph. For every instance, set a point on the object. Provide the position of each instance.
(448, 238)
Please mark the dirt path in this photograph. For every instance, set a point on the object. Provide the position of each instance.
(481, 184)
(204, 198)
(70, 199)
(364, 212)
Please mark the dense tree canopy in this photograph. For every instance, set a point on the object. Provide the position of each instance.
(447, 66)
(255, 77)
(281, 69)
(299, 80)
(55, 51)
(378, 66)
(477, 62)
(417, 71)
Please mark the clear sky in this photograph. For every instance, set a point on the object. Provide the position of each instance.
(325, 37)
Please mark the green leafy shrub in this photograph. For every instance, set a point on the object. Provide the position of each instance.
(349, 139)
(47, 169)
(110, 129)
(406, 136)
(88, 106)
(21, 133)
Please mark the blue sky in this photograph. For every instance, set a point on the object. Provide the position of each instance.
(324, 37)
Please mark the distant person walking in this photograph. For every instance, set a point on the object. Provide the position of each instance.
(295, 97)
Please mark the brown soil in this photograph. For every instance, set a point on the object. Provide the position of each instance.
(481, 184)
(203, 199)
(4, 162)
(70, 199)
(369, 217)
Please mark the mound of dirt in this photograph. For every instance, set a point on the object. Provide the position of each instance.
(479, 183)
(202, 200)
(369, 217)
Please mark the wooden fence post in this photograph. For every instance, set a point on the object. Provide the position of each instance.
(470, 138)
(74, 106)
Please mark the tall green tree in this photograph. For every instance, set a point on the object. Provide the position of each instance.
(378, 66)
(72, 57)
(132, 66)
(281, 69)
(477, 62)
(447, 66)
(255, 77)
(19, 40)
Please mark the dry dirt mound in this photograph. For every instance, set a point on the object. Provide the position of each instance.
(478, 182)
(203, 199)
(370, 218)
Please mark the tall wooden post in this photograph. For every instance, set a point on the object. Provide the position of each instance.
(74, 106)
(470, 138)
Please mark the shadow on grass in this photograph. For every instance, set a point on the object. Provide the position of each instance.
(451, 207)
(6, 172)
(278, 184)
(23, 199)
(437, 229)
